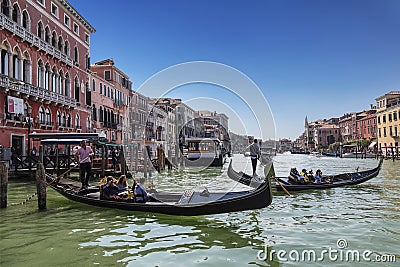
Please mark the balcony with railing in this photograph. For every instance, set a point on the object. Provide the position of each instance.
(18, 30)
(34, 91)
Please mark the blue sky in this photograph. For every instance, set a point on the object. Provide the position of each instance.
(319, 59)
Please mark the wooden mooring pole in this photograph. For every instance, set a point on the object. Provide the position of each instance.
(41, 182)
(145, 156)
(3, 184)
(392, 153)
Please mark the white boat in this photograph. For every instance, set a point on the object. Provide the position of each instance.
(359, 155)
(316, 154)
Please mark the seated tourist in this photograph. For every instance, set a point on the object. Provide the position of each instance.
(303, 178)
(327, 180)
(310, 176)
(110, 190)
(318, 177)
(131, 191)
(140, 192)
(122, 183)
(102, 182)
(294, 175)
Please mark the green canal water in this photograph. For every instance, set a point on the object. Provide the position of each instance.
(344, 222)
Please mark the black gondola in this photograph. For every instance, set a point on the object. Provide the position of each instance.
(291, 185)
(188, 203)
(243, 178)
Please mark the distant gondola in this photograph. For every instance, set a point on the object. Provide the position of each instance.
(188, 203)
(291, 185)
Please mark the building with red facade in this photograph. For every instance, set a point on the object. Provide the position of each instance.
(102, 106)
(116, 86)
(366, 124)
(44, 62)
(326, 135)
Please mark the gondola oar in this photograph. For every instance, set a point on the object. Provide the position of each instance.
(271, 174)
(284, 189)
(67, 171)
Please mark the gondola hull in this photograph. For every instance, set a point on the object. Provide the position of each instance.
(187, 204)
(243, 178)
(337, 180)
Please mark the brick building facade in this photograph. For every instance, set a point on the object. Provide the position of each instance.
(118, 87)
(44, 62)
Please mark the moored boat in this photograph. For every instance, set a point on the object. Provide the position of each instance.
(329, 154)
(188, 203)
(359, 155)
(300, 152)
(205, 152)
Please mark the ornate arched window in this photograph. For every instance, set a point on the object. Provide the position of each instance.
(26, 68)
(61, 89)
(58, 118)
(4, 59)
(94, 112)
(16, 61)
(66, 48)
(60, 43)
(54, 83)
(76, 86)
(47, 35)
(48, 116)
(67, 88)
(93, 85)
(101, 115)
(88, 94)
(5, 7)
(25, 20)
(77, 121)
(64, 120)
(42, 119)
(40, 30)
(69, 120)
(54, 39)
(76, 54)
(47, 77)
(40, 74)
(16, 14)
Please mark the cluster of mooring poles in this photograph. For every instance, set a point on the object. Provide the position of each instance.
(40, 183)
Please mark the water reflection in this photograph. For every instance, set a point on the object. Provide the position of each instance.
(135, 238)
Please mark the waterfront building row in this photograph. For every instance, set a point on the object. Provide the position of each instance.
(388, 122)
(379, 125)
(44, 62)
(47, 84)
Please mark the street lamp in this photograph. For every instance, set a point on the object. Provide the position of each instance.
(28, 119)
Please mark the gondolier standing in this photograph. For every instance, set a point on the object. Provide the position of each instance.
(82, 156)
(255, 155)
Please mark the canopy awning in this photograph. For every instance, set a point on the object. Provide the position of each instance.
(63, 135)
(106, 144)
(61, 141)
(350, 145)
